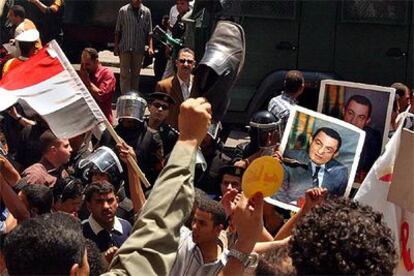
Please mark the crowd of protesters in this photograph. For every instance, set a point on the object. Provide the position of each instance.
(77, 206)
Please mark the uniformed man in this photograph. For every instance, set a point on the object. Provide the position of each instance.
(135, 132)
(159, 108)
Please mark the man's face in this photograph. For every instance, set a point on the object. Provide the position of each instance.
(103, 208)
(404, 100)
(323, 148)
(136, 4)
(15, 20)
(203, 228)
(185, 64)
(357, 114)
(100, 177)
(159, 110)
(63, 151)
(130, 123)
(230, 181)
(71, 206)
(182, 6)
(88, 63)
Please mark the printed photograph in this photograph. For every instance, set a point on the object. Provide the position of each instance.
(318, 151)
(368, 107)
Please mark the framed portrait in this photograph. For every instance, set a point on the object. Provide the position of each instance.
(368, 107)
(317, 151)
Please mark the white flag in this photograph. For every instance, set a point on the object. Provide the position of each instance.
(48, 83)
(374, 192)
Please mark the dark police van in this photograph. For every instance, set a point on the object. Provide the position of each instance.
(368, 41)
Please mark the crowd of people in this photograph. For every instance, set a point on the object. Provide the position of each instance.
(77, 206)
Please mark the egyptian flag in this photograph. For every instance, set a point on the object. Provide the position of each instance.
(48, 83)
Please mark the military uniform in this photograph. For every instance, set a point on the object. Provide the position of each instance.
(147, 146)
(168, 136)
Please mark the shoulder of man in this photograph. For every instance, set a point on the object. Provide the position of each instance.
(166, 81)
(124, 8)
(125, 224)
(107, 72)
(145, 9)
(336, 165)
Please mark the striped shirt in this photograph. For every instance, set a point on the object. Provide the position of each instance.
(280, 106)
(189, 259)
(134, 26)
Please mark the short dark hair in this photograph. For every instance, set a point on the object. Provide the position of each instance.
(92, 53)
(99, 188)
(400, 88)
(342, 237)
(293, 81)
(276, 262)
(331, 133)
(26, 47)
(97, 265)
(18, 11)
(43, 246)
(185, 50)
(67, 188)
(215, 209)
(361, 100)
(40, 197)
(46, 140)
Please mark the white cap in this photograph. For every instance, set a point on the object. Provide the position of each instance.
(31, 35)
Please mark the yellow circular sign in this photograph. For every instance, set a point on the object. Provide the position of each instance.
(265, 175)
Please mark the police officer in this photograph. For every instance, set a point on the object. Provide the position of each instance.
(134, 131)
(265, 133)
(159, 108)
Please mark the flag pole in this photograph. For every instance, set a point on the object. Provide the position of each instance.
(134, 164)
(88, 97)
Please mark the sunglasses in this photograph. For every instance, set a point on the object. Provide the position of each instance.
(159, 105)
(183, 60)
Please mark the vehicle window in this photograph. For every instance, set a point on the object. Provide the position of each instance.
(276, 9)
(375, 11)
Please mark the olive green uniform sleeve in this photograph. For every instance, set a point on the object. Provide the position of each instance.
(152, 246)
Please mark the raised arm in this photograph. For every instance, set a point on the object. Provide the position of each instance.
(135, 188)
(151, 248)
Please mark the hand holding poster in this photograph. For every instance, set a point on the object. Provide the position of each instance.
(264, 175)
(318, 151)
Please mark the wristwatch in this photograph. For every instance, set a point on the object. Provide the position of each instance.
(248, 260)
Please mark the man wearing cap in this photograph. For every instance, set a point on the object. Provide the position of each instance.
(159, 108)
(26, 43)
(99, 80)
(179, 86)
(135, 132)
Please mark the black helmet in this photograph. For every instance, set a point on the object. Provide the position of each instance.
(265, 128)
(102, 161)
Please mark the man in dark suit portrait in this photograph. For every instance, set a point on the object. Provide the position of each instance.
(316, 167)
(179, 85)
(357, 111)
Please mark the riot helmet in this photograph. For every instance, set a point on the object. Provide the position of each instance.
(102, 161)
(265, 129)
(131, 106)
